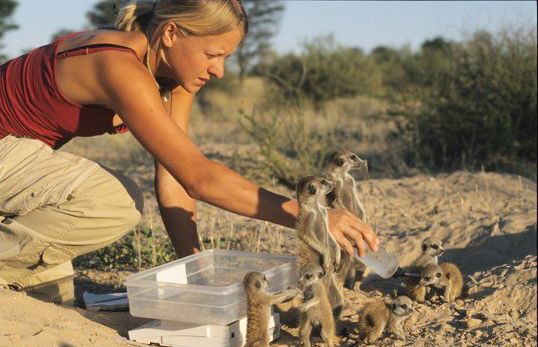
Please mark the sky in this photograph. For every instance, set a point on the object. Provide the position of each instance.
(363, 24)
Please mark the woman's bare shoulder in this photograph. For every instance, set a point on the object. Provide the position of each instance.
(137, 41)
(81, 78)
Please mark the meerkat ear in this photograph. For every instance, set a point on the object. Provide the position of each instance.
(311, 188)
(258, 284)
(447, 276)
(339, 161)
(321, 274)
(393, 306)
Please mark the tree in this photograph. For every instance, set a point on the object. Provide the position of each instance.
(264, 18)
(61, 32)
(103, 14)
(7, 8)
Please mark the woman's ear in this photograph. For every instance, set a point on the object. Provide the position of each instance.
(170, 34)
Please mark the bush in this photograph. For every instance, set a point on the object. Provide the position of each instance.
(292, 143)
(325, 71)
(479, 107)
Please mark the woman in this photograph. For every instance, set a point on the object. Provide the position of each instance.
(142, 77)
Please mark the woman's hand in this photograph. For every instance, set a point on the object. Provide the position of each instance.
(348, 230)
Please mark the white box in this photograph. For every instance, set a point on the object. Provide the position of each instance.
(177, 334)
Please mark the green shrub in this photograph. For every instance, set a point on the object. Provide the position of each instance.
(475, 103)
(325, 71)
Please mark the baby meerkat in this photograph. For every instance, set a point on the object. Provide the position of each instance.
(445, 275)
(432, 248)
(344, 196)
(316, 309)
(375, 316)
(415, 290)
(259, 303)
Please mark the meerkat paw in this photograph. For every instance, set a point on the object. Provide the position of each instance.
(293, 292)
(401, 336)
(300, 296)
(325, 268)
(371, 339)
(307, 305)
(336, 267)
(337, 261)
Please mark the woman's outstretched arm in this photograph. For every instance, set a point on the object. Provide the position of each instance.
(128, 89)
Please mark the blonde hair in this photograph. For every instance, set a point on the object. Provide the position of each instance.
(193, 17)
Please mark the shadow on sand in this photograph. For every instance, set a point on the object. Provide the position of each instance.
(480, 255)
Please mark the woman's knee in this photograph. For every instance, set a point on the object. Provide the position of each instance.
(116, 199)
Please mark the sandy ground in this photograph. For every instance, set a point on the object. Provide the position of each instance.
(487, 221)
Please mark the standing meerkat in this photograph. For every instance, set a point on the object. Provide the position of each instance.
(432, 248)
(375, 316)
(316, 309)
(344, 196)
(259, 303)
(445, 275)
(317, 245)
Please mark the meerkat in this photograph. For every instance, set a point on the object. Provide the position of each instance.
(432, 248)
(375, 316)
(344, 196)
(446, 276)
(316, 309)
(317, 245)
(259, 303)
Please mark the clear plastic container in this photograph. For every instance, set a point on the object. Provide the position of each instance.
(205, 288)
(383, 263)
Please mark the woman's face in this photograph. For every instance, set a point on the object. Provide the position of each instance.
(193, 60)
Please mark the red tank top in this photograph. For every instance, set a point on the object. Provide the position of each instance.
(31, 105)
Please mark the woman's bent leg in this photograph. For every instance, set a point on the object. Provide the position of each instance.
(56, 220)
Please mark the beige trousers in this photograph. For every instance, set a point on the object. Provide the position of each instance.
(55, 206)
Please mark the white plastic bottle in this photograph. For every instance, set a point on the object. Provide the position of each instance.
(383, 263)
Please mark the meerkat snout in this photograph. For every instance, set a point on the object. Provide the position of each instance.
(255, 280)
(348, 160)
(327, 185)
(402, 306)
(310, 274)
(432, 247)
(430, 275)
(314, 187)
